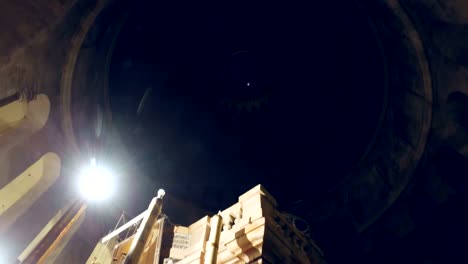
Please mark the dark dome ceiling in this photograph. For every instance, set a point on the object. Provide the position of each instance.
(213, 98)
(209, 99)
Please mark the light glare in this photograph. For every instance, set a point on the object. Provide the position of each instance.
(96, 183)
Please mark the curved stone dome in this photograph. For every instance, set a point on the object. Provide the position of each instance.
(215, 95)
(352, 113)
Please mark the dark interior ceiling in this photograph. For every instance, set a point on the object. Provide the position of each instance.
(352, 113)
(210, 95)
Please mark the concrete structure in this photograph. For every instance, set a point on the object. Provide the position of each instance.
(253, 231)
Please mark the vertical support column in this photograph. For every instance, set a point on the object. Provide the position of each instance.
(211, 252)
(54, 237)
(143, 233)
(35, 242)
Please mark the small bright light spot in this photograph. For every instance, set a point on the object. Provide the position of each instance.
(161, 193)
(96, 183)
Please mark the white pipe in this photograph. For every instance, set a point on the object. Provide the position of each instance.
(124, 227)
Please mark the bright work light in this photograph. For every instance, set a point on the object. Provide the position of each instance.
(96, 182)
